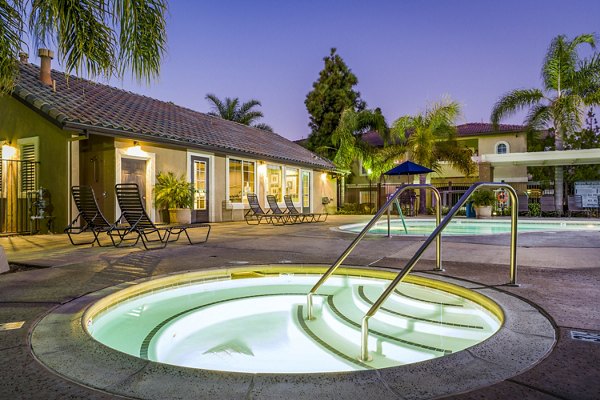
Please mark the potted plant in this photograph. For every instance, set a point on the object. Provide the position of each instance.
(175, 194)
(483, 200)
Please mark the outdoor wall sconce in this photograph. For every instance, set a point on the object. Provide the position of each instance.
(136, 150)
(8, 151)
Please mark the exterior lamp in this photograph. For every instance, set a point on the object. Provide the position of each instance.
(136, 150)
(8, 151)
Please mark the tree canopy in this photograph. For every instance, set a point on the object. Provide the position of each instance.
(570, 84)
(97, 37)
(232, 110)
(332, 93)
(348, 139)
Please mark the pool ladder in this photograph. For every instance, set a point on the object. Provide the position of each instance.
(436, 234)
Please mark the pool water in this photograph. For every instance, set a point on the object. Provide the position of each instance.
(257, 323)
(424, 227)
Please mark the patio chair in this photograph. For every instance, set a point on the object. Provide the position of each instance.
(523, 204)
(547, 204)
(575, 205)
(307, 217)
(275, 210)
(89, 219)
(140, 226)
(256, 214)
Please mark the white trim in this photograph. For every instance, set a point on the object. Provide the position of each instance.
(150, 177)
(504, 143)
(311, 191)
(211, 179)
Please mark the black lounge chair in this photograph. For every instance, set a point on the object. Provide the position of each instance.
(547, 205)
(523, 204)
(275, 210)
(575, 205)
(140, 226)
(256, 214)
(307, 217)
(90, 218)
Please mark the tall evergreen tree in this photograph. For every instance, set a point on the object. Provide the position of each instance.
(105, 37)
(332, 93)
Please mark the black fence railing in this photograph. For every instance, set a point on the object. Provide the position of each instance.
(19, 197)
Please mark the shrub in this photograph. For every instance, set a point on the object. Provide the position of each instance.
(483, 197)
(171, 191)
(535, 210)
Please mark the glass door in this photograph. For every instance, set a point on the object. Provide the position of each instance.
(305, 191)
(200, 183)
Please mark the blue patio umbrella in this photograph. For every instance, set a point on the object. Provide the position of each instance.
(408, 168)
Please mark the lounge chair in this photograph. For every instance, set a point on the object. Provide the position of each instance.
(575, 204)
(275, 210)
(89, 219)
(306, 217)
(547, 205)
(256, 214)
(523, 204)
(140, 226)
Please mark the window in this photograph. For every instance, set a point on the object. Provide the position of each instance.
(292, 183)
(502, 148)
(241, 179)
(274, 181)
(28, 155)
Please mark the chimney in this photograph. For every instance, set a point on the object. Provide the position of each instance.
(23, 57)
(45, 66)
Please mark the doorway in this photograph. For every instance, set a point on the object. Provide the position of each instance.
(134, 171)
(200, 182)
(305, 192)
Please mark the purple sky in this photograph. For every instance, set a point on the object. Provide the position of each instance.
(404, 53)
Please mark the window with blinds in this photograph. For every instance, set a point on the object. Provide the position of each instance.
(28, 175)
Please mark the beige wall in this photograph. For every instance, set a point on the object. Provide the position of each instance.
(18, 121)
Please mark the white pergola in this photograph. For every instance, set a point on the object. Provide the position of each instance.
(544, 158)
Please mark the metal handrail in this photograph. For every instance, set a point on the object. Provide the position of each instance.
(438, 217)
(364, 356)
(350, 248)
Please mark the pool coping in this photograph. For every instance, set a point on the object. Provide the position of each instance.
(58, 340)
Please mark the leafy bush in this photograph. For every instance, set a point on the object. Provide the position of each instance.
(171, 191)
(535, 210)
(354, 209)
(483, 197)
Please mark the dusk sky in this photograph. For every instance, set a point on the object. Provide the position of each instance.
(404, 53)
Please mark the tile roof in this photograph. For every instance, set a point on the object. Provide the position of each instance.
(84, 104)
(468, 129)
(479, 128)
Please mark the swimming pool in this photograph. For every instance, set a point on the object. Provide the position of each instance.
(254, 321)
(424, 227)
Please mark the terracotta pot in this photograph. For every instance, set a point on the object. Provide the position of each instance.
(483, 211)
(180, 215)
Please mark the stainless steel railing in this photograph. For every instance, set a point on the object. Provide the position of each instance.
(350, 248)
(364, 356)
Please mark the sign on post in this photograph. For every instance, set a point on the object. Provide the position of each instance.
(589, 192)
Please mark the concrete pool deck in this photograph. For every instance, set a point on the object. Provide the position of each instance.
(558, 272)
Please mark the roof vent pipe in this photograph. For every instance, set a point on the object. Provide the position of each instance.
(46, 66)
(23, 57)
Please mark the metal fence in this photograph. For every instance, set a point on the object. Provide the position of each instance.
(19, 199)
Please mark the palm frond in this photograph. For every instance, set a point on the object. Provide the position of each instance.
(263, 126)
(11, 30)
(142, 36)
(514, 101)
(85, 40)
(539, 117)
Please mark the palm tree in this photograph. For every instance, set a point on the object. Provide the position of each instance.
(96, 37)
(431, 139)
(231, 110)
(347, 138)
(570, 84)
